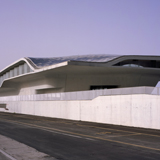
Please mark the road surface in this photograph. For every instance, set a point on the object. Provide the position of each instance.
(76, 140)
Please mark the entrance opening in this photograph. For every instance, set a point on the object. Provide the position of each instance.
(103, 87)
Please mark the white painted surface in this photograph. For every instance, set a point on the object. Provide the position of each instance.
(129, 110)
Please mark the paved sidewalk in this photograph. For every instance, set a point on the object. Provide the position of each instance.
(13, 150)
(3, 157)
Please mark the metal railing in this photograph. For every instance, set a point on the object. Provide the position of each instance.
(83, 95)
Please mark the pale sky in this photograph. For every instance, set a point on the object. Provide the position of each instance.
(52, 28)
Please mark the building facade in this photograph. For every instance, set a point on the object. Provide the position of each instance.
(29, 76)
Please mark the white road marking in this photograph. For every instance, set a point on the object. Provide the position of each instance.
(69, 135)
(7, 155)
(50, 130)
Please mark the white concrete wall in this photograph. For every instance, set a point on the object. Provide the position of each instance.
(30, 87)
(128, 110)
(51, 83)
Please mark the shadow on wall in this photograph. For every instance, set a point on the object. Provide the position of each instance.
(158, 84)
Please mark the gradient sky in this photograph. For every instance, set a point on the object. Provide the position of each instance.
(52, 28)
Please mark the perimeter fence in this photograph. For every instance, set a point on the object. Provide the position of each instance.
(83, 95)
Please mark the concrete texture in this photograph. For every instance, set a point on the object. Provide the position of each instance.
(128, 110)
(3, 156)
(13, 150)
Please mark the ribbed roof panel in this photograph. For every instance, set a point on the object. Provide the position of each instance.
(43, 62)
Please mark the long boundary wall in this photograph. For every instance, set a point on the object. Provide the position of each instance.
(137, 110)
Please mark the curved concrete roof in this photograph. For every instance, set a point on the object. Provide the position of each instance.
(97, 60)
(22, 60)
(43, 64)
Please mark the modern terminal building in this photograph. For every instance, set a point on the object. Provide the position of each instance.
(107, 89)
(78, 73)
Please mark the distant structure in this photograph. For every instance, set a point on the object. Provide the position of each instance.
(78, 73)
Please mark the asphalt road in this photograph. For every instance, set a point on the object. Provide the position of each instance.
(74, 140)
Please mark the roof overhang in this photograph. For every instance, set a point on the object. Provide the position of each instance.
(80, 68)
(68, 68)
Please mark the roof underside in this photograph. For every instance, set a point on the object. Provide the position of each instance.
(43, 62)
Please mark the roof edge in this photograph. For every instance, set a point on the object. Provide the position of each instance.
(16, 63)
